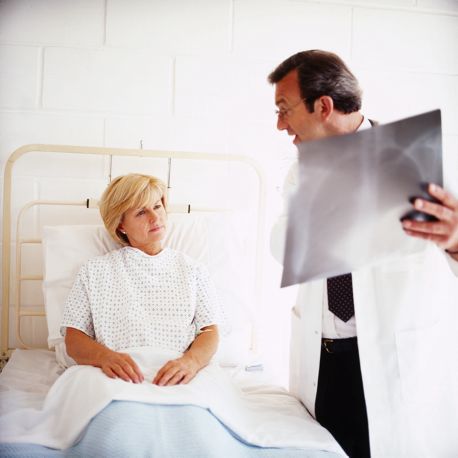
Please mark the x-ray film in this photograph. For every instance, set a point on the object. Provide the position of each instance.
(352, 192)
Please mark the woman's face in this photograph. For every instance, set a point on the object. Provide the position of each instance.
(145, 226)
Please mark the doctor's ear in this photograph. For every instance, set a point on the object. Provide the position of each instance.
(324, 106)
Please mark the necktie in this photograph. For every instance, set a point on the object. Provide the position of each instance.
(340, 296)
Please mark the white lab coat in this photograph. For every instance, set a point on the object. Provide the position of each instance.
(407, 324)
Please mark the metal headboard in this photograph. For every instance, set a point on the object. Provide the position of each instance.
(68, 149)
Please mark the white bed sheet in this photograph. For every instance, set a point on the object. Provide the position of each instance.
(26, 379)
(29, 374)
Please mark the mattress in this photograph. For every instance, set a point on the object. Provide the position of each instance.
(143, 429)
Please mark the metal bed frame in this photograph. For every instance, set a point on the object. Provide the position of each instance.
(21, 312)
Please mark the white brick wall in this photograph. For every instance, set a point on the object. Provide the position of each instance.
(113, 80)
(223, 88)
(170, 27)
(51, 22)
(19, 76)
(406, 40)
(277, 29)
(191, 76)
(419, 92)
(444, 5)
(22, 127)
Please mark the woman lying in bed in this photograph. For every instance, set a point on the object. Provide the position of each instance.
(141, 294)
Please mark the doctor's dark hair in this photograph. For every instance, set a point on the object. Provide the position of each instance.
(125, 193)
(322, 73)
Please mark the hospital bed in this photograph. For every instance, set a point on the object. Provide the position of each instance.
(48, 409)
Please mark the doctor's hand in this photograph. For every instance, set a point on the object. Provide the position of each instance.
(443, 232)
(121, 365)
(180, 370)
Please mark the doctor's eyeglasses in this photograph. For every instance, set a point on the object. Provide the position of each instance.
(283, 113)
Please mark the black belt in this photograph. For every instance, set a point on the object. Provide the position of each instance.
(339, 345)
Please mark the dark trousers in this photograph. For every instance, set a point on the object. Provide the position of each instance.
(340, 406)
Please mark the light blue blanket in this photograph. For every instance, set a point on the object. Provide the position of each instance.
(134, 429)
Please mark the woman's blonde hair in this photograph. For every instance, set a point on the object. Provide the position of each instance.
(124, 193)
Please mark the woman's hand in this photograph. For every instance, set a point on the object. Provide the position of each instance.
(180, 370)
(85, 350)
(121, 365)
(197, 356)
(443, 232)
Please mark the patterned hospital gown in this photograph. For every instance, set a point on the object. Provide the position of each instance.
(128, 298)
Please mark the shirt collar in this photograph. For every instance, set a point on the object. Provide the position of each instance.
(364, 125)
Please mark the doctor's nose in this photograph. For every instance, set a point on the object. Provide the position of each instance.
(281, 123)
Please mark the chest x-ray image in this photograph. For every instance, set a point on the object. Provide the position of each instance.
(352, 192)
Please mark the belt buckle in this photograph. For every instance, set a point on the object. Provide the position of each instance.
(325, 342)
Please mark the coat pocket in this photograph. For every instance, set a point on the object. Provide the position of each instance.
(420, 362)
(428, 368)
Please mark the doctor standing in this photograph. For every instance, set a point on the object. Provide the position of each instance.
(374, 353)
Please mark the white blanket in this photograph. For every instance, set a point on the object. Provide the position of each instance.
(261, 415)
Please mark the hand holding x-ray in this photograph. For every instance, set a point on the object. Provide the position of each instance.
(354, 189)
(443, 229)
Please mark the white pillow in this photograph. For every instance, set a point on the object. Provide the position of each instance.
(210, 238)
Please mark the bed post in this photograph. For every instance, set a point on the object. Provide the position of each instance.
(6, 259)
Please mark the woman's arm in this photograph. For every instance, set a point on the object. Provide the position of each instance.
(85, 350)
(198, 355)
